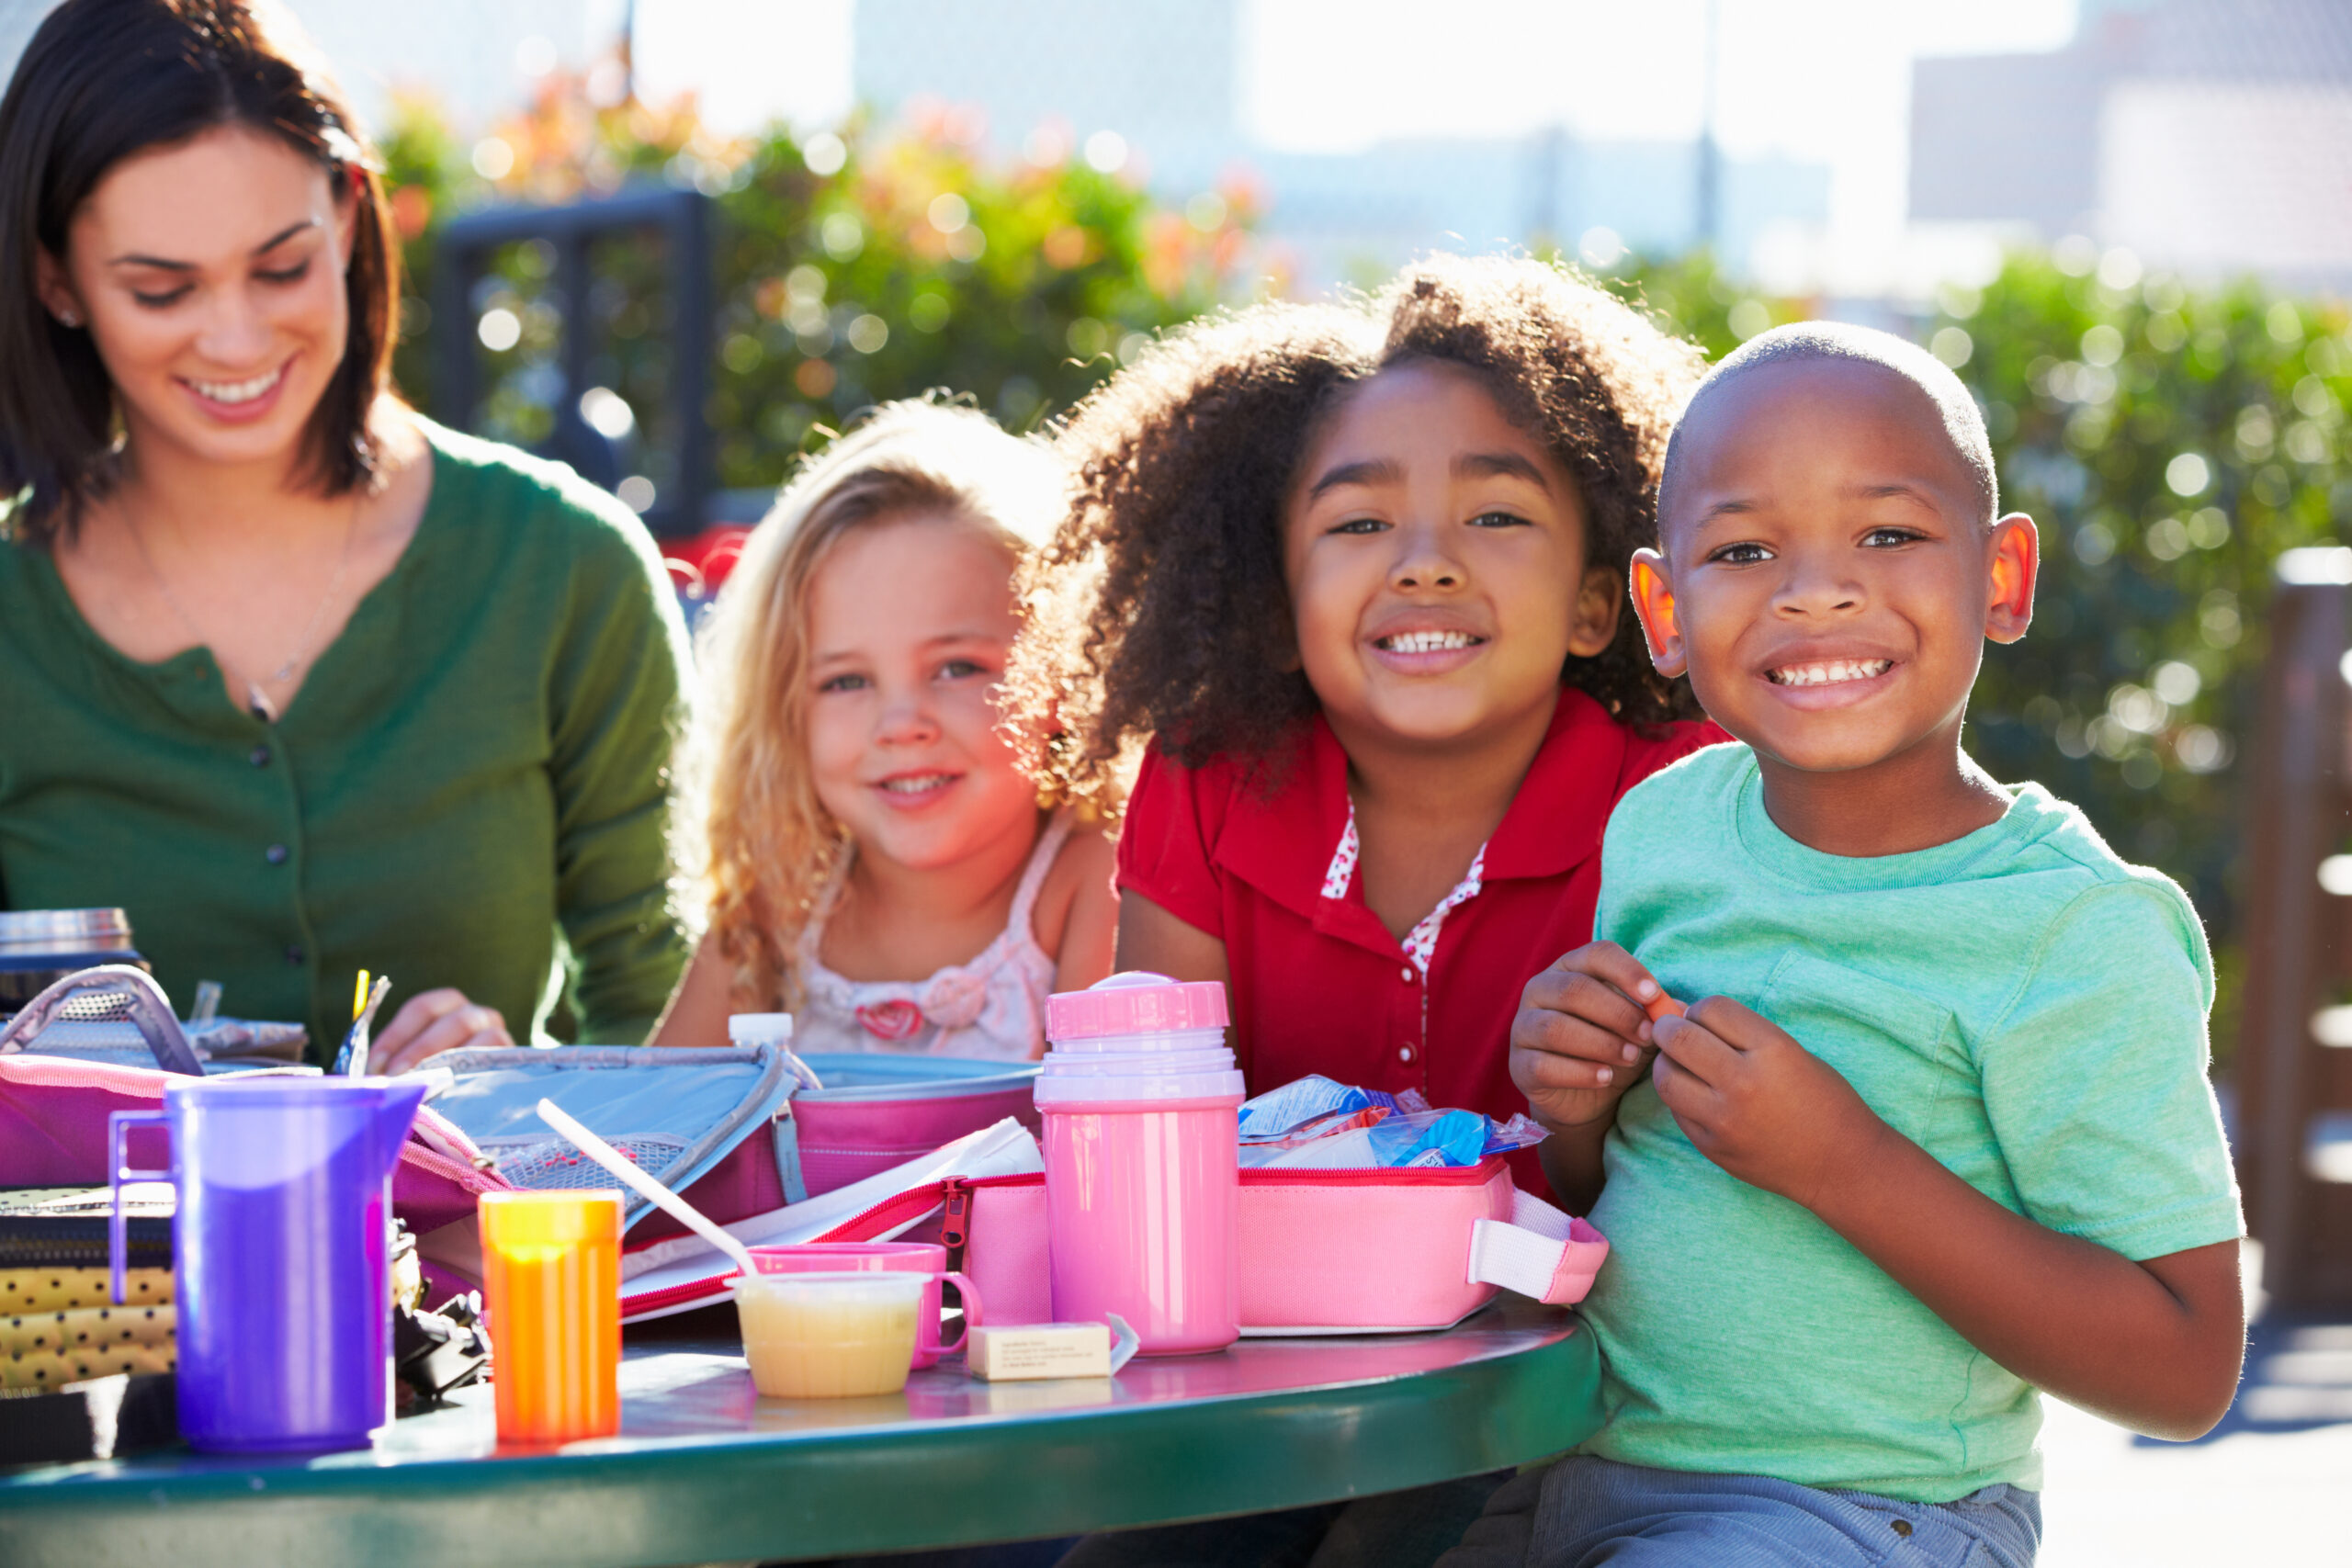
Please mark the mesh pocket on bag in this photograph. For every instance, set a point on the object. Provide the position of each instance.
(552, 1164)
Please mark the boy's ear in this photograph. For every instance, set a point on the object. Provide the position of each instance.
(2016, 564)
(1597, 610)
(1654, 602)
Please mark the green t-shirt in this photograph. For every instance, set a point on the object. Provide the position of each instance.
(2019, 1002)
(471, 788)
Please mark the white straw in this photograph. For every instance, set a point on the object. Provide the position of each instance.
(621, 1166)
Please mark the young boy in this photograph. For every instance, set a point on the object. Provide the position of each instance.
(1935, 1133)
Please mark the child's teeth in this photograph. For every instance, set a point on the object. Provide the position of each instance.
(915, 785)
(1831, 672)
(1427, 642)
(237, 391)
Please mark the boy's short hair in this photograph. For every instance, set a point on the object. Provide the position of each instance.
(1799, 341)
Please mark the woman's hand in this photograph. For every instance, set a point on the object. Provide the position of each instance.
(1581, 1033)
(432, 1022)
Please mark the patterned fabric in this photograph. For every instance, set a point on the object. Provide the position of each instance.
(1343, 861)
(993, 1006)
(1420, 942)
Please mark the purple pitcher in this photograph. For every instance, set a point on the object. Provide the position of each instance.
(280, 1262)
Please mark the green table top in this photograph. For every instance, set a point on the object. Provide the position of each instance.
(705, 1469)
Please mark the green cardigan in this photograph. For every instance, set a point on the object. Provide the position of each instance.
(468, 790)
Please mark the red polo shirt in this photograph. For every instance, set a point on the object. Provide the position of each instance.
(1318, 983)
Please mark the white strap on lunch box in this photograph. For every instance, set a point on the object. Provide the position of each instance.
(1524, 1253)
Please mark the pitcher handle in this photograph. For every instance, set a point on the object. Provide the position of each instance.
(971, 1294)
(119, 1122)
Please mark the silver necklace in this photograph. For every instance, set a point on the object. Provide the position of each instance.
(256, 698)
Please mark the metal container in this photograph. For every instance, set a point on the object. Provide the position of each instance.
(38, 946)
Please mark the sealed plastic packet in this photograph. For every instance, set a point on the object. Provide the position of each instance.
(1314, 1123)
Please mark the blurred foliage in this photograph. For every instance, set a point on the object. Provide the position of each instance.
(1693, 296)
(2170, 441)
(852, 268)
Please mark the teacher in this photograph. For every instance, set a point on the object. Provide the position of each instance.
(302, 680)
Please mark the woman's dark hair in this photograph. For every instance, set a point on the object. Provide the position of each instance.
(102, 79)
(1160, 613)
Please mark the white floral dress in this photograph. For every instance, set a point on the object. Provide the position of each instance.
(993, 1006)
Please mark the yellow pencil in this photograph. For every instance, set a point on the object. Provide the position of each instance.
(359, 997)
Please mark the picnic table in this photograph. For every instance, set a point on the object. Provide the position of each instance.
(704, 1470)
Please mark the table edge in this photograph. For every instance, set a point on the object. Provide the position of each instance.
(892, 1488)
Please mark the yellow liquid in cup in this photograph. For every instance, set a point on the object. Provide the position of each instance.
(828, 1336)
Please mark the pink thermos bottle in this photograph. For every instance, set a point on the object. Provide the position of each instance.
(1141, 1103)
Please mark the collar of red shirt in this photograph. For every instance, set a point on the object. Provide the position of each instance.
(1281, 844)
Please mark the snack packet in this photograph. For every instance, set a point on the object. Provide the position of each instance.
(1314, 1123)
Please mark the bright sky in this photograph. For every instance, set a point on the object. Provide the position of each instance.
(1823, 80)
(1826, 80)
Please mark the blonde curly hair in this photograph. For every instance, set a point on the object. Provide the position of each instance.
(754, 841)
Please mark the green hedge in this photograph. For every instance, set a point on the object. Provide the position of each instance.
(852, 268)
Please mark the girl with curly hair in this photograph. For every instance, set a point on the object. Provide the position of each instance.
(1354, 575)
(877, 862)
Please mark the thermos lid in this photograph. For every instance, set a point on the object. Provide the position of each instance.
(63, 930)
(759, 1028)
(1134, 1002)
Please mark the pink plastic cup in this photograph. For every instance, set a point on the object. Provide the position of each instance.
(894, 1257)
(1141, 1104)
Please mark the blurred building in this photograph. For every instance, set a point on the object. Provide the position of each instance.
(477, 61)
(1166, 78)
(1161, 74)
(2209, 135)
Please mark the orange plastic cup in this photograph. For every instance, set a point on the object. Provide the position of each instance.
(552, 1281)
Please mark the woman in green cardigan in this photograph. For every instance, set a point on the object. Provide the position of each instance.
(302, 680)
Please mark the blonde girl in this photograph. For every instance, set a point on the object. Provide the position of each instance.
(875, 859)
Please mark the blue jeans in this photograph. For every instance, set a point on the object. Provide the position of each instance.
(1588, 1513)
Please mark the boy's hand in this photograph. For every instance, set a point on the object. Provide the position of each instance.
(1758, 1104)
(1581, 1033)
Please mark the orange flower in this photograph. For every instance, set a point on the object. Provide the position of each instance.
(814, 378)
(412, 210)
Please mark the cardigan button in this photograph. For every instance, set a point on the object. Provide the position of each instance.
(294, 953)
(274, 854)
(1406, 974)
(259, 756)
(1406, 1054)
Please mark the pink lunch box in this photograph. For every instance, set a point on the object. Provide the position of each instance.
(1322, 1251)
(878, 1111)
